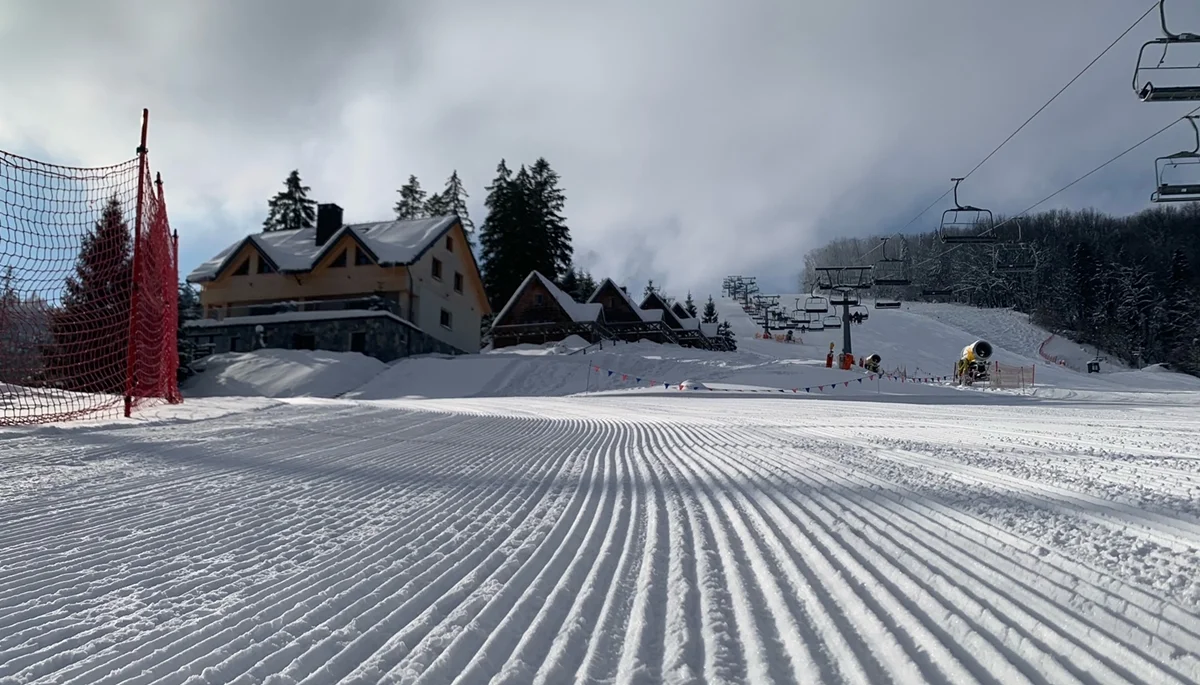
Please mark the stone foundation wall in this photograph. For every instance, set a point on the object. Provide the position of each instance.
(382, 337)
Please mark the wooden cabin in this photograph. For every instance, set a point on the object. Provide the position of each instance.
(540, 312)
(628, 321)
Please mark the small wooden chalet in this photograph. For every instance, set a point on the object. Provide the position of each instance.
(628, 321)
(686, 329)
(540, 312)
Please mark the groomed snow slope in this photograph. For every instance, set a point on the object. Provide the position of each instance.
(667, 538)
(906, 532)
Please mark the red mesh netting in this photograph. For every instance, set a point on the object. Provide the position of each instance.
(88, 293)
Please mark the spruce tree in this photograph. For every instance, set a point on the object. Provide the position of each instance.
(291, 207)
(689, 305)
(455, 196)
(547, 201)
(501, 238)
(437, 205)
(570, 284)
(710, 311)
(90, 330)
(726, 332)
(587, 286)
(411, 204)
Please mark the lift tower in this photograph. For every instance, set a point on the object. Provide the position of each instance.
(845, 282)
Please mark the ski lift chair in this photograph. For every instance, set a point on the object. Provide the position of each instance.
(887, 304)
(966, 225)
(816, 305)
(832, 321)
(1178, 192)
(816, 324)
(844, 298)
(1016, 257)
(1189, 90)
(860, 310)
(891, 271)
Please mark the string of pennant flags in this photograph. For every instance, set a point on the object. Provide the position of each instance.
(653, 383)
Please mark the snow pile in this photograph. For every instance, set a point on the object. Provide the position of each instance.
(281, 373)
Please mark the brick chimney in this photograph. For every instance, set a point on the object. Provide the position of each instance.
(329, 221)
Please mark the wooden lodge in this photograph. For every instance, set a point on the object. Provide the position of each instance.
(540, 312)
(628, 321)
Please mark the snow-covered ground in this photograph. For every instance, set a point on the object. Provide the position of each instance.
(484, 519)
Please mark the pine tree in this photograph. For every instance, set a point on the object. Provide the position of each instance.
(502, 239)
(524, 230)
(570, 283)
(436, 205)
(689, 305)
(456, 200)
(291, 208)
(412, 200)
(454, 196)
(90, 330)
(547, 201)
(587, 286)
(726, 332)
(710, 311)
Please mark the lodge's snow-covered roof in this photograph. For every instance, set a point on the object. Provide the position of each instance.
(579, 312)
(647, 315)
(390, 243)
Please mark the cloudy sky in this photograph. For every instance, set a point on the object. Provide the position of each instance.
(695, 138)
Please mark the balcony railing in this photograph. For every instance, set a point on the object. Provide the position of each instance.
(368, 303)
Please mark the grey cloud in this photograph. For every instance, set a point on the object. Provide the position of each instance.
(694, 138)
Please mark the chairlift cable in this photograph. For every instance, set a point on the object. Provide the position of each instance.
(1071, 184)
(1122, 154)
(1064, 88)
(1039, 111)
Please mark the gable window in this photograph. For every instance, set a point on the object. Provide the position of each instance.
(447, 322)
(437, 268)
(243, 268)
(361, 258)
(458, 282)
(339, 260)
(538, 299)
(264, 267)
(449, 244)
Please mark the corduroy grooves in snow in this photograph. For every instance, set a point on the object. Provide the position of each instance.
(633, 537)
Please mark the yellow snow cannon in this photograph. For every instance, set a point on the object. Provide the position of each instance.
(972, 363)
(871, 363)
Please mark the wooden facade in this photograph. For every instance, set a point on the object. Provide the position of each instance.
(626, 320)
(536, 315)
